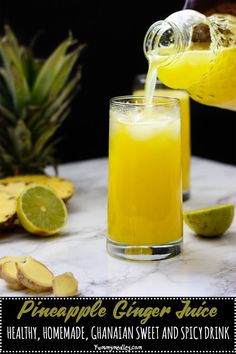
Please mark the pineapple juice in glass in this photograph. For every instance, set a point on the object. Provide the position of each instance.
(144, 188)
(183, 97)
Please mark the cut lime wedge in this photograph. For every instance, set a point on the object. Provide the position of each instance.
(41, 211)
(212, 221)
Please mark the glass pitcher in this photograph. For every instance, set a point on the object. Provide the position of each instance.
(197, 53)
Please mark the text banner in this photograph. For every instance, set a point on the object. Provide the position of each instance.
(158, 325)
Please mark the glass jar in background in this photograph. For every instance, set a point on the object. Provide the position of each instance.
(162, 90)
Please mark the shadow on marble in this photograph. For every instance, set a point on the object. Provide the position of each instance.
(73, 206)
(229, 236)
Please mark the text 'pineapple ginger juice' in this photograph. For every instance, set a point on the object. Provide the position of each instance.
(198, 54)
(144, 194)
(183, 98)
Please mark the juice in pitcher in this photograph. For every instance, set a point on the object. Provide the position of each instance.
(144, 189)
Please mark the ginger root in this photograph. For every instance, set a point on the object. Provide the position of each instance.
(9, 274)
(65, 285)
(34, 275)
(23, 272)
(10, 259)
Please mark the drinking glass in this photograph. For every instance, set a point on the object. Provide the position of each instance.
(144, 187)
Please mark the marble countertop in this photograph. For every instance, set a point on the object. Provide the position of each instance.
(207, 267)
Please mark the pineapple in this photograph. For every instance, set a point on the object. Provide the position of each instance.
(16, 184)
(34, 100)
(7, 209)
(14, 189)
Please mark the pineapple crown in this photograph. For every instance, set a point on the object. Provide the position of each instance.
(35, 98)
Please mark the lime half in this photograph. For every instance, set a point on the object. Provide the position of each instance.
(212, 221)
(41, 211)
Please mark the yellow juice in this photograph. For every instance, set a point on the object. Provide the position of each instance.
(144, 194)
(185, 128)
(209, 77)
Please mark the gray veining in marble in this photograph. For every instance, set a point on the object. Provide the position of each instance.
(207, 267)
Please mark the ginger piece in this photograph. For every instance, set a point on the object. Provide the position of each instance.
(65, 285)
(34, 275)
(13, 259)
(9, 274)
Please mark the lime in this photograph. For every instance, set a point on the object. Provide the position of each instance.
(212, 221)
(41, 211)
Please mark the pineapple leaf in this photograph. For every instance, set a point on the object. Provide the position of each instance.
(35, 38)
(62, 77)
(21, 137)
(7, 76)
(49, 72)
(60, 119)
(22, 96)
(31, 66)
(9, 116)
(12, 40)
(56, 118)
(48, 154)
(54, 163)
(5, 142)
(52, 106)
(14, 75)
(43, 139)
(5, 157)
(66, 94)
(63, 116)
(6, 98)
(34, 100)
(11, 56)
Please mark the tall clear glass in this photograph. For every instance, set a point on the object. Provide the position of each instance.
(162, 90)
(144, 189)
